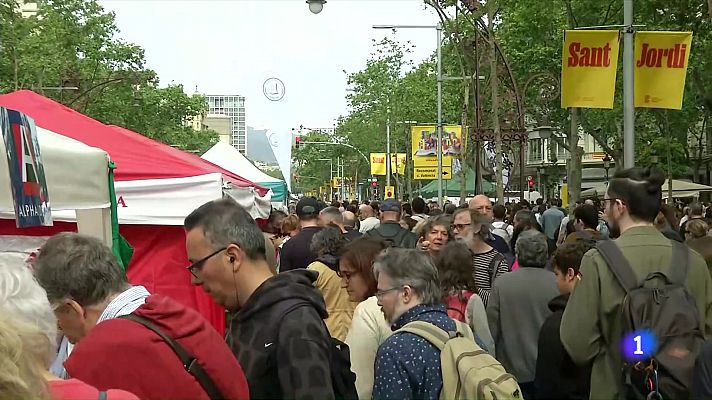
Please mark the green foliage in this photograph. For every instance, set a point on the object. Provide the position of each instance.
(73, 43)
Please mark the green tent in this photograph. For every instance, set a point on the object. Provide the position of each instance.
(451, 188)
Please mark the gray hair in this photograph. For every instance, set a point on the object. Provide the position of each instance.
(225, 222)
(440, 220)
(532, 249)
(79, 267)
(333, 214)
(24, 299)
(413, 268)
(328, 240)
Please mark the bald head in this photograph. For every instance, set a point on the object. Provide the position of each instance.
(349, 219)
(482, 205)
(365, 211)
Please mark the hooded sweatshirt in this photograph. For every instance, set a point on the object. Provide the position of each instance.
(281, 341)
(123, 354)
(557, 377)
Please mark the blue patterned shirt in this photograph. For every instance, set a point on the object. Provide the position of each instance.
(408, 366)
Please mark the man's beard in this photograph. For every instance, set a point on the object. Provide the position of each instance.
(614, 230)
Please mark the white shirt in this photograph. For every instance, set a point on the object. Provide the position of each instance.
(368, 224)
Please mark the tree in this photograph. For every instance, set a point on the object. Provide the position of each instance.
(73, 43)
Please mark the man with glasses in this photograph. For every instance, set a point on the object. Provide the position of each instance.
(277, 330)
(407, 365)
(592, 325)
(90, 295)
(487, 262)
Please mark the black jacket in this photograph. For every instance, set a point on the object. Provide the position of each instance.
(296, 252)
(557, 377)
(284, 350)
(393, 232)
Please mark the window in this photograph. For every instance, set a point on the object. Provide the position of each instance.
(535, 151)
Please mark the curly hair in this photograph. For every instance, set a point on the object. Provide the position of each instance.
(23, 351)
(328, 240)
(454, 264)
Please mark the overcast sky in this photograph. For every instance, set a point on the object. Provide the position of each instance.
(232, 47)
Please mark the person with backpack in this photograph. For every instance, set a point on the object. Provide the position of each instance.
(642, 279)
(276, 327)
(428, 353)
(518, 307)
(500, 227)
(390, 229)
(487, 263)
(557, 377)
(459, 291)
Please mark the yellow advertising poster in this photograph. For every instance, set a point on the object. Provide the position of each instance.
(588, 69)
(389, 192)
(661, 68)
(378, 163)
(424, 145)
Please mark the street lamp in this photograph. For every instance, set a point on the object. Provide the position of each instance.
(439, 30)
(542, 186)
(607, 165)
(315, 6)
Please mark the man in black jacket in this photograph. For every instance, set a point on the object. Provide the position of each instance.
(277, 331)
(390, 229)
(296, 252)
(557, 377)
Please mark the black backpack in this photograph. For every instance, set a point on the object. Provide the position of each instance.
(343, 380)
(404, 238)
(662, 304)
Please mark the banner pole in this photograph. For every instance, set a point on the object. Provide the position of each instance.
(628, 86)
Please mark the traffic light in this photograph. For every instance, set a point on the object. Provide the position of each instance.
(297, 142)
(530, 183)
(374, 184)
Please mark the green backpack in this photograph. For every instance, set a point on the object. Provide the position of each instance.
(468, 371)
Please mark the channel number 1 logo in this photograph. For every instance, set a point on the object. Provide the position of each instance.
(639, 345)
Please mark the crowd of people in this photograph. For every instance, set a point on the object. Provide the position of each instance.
(349, 300)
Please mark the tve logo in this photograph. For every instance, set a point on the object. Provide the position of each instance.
(639, 345)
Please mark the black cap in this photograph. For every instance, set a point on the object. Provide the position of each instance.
(307, 207)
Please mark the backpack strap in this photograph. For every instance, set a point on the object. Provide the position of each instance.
(618, 264)
(436, 336)
(680, 263)
(190, 363)
(102, 395)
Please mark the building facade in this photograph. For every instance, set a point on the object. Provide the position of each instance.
(232, 106)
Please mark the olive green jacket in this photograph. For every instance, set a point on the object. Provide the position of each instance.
(591, 327)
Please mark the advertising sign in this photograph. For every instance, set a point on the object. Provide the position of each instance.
(588, 69)
(378, 163)
(27, 177)
(661, 60)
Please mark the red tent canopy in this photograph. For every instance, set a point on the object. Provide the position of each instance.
(136, 156)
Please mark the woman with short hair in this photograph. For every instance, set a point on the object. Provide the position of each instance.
(328, 244)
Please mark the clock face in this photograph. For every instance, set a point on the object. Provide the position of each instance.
(273, 140)
(273, 89)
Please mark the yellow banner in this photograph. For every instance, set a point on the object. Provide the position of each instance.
(661, 68)
(389, 192)
(336, 182)
(424, 145)
(378, 163)
(588, 69)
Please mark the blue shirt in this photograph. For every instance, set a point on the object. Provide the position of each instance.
(408, 366)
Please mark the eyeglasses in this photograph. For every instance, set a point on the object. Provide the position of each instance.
(460, 227)
(346, 275)
(381, 293)
(613, 199)
(199, 264)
